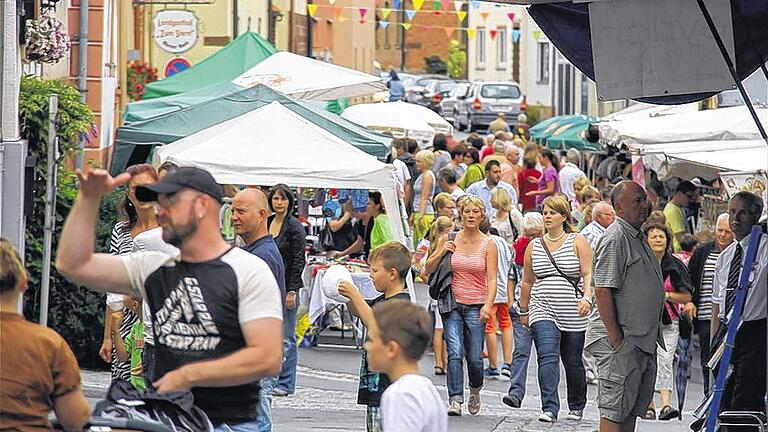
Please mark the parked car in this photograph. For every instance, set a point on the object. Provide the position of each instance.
(414, 87)
(435, 91)
(448, 102)
(484, 100)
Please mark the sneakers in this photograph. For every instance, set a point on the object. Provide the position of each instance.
(512, 401)
(547, 417)
(473, 404)
(575, 415)
(454, 408)
(506, 370)
(278, 392)
(492, 372)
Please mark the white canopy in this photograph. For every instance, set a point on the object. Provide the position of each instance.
(275, 145)
(400, 118)
(310, 79)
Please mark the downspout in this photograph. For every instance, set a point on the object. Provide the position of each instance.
(235, 19)
(82, 67)
(310, 40)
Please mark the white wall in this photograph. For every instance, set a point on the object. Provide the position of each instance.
(495, 67)
(537, 92)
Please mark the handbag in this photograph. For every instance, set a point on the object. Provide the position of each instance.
(572, 280)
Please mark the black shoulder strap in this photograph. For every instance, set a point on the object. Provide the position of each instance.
(571, 280)
(512, 224)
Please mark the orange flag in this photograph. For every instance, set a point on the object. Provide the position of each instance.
(484, 15)
(449, 31)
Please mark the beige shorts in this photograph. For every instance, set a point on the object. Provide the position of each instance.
(626, 384)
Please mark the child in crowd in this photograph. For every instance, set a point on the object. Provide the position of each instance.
(533, 227)
(506, 281)
(39, 371)
(438, 233)
(390, 264)
(131, 348)
(397, 338)
(688, 244)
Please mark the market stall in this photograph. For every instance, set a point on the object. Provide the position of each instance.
(401, 119)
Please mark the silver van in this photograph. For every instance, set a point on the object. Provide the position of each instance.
(484, 100)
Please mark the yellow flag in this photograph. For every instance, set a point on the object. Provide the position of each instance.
(417, 4)
(312, 8)
(461, 15)
(471, 33)
(385, 13)
(406, 26)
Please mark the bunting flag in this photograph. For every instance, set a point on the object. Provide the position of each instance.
(337, 11)
(417, 4)
(406, 26)
(410, 13)
(475, 4)
(437, 5)
(511, 16)
(444, 4)
(536, 35)
(461, 15)
(484, 15)
(385, 13)
(448, 31)
(397, 4)
(515, 35)
(493, 34)
(458, 4)
(471, 33)
(363, 12)
(311, 9)
(384, 24)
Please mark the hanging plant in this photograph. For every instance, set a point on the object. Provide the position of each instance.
(139, 75)
(47, 41)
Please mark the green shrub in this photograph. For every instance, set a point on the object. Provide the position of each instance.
(457, 60)
(75, 312)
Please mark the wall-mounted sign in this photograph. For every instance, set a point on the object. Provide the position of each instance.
(175, 30)
(176, 65)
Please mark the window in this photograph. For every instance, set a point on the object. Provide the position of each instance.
(500, 91)
(501, 46)
(480, 41)
(542, 63)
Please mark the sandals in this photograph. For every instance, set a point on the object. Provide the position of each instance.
(668, 413)
(650, 414)
(439, 370)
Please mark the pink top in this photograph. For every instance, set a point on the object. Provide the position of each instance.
(469, 276)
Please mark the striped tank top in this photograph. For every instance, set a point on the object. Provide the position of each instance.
(469, 276)
(553, 298)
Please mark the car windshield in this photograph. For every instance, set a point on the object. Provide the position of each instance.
(446, 86)
(460, 90)
(500, 91)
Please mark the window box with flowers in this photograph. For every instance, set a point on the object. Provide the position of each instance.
(139, 75)
(47, 42)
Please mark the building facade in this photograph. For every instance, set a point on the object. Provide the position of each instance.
(495, 52)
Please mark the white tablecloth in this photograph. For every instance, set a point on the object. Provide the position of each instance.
(318, 301)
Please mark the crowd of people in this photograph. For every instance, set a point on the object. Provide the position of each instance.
(522, 248)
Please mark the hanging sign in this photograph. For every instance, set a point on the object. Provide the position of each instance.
(175, 31)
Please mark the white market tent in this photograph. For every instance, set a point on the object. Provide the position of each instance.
(273, 145)
(310, 79)
(701, 143)
(402, 119)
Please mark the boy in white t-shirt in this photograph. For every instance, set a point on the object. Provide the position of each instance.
(396, 342)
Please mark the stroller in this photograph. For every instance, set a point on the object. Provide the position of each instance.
(128, 409)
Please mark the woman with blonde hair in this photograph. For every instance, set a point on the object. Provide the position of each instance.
(555, 304)
(578, 185)
(40, 373)
(423, 190)
(438, 232)
(508, 219)
(474, 262)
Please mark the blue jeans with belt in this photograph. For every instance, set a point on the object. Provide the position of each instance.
(520, 356)
(287, 379)
(551, 345)
(464, 338)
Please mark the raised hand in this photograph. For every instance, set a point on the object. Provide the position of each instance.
(97, 182)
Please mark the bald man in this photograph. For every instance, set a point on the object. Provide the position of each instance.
(249, 217)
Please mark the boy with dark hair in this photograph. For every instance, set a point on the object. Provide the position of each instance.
(397, 339)
(390, 264)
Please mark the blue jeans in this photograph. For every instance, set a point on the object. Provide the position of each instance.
(263, 422)
(520, 357)
(148, 362)
(250, 426)
(287, 379)
(464, 338)
(551, 345)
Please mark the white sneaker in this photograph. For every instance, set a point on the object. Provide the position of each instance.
(547, 417)
(575, 415)
(454, 409)
(473, 404)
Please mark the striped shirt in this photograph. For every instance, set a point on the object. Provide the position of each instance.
(707, 278)
(470, 276)
(553, 298)
(121, 243)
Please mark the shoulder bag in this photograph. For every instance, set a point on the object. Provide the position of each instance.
(572, 280)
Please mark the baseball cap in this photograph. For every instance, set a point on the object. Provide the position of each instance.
(185, 177)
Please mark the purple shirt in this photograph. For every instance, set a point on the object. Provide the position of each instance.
(548, 175)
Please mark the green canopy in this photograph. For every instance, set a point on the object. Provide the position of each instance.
(147, 109)
(571, 135)
(539, 128)
(225, 64)
(134, 141)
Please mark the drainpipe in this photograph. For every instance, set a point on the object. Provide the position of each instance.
(235, 19)
(310, 40)
(82, 67)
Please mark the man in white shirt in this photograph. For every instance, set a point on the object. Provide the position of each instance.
(403, 176)
(602, 217)
(569, 173)
(745, 388)
(446, 179)
(483, 188)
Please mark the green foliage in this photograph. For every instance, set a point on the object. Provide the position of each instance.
(534, 113)
(75, 312)
(435, 65)
(457, 60)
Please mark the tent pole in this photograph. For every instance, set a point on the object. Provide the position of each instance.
(731, 68)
